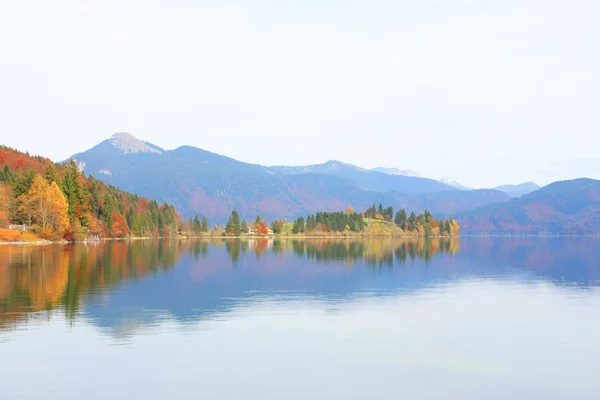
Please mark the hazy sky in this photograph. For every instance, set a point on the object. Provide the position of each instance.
(483, 92)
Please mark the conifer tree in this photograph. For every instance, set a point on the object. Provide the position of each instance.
(400, 219)
(233, 226)
(51, 175)
(108, 213)
(196, 225)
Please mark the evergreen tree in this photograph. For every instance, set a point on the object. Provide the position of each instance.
(233, 226)
(277, 227)
(204, 224)
(21, 184)
(298, 226)
(51, 175)
(196, 225)
(400, 219)
(245, 228)
(388, 213)
(108, 213)
(413, 221)
(76, 196)
(5, 175)
(94, 198)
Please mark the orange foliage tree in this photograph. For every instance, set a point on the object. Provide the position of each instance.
(120, 228)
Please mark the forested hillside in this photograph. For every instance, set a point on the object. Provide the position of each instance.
(58, 201)
(561, 208)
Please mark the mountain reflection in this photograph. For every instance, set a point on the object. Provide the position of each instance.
(122, 284)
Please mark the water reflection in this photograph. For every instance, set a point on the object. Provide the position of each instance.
(122, 285)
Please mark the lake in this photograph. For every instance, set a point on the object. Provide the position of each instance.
(469, 318)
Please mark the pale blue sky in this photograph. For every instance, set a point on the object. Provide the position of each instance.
(482, 92)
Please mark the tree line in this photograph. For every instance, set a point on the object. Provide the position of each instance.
(423, 224)
(59, 201)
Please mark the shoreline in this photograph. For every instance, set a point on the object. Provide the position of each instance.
(43, 242)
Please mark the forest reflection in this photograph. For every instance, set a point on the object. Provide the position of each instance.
(35, 279)
(371, 252)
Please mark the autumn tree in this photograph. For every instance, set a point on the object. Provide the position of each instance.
(20, 186)
(120, 228)
(6, 197)
(261, 228)
(46, 205)
(454, 227)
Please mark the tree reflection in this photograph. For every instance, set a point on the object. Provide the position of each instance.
(34, 279)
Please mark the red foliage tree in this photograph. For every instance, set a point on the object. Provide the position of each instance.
(262, 229)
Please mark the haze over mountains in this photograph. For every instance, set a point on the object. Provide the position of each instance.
(197, 181)
(520, 190)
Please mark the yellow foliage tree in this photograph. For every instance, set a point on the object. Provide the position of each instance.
(5, 196)
(45, 205)
(349, 210)
(5, 201)
(454, 228)
(376, 229)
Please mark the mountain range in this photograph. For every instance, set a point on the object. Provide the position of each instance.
(200, 182)
(567, 207)
(197, 181)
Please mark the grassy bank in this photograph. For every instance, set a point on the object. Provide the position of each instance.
(13, 237)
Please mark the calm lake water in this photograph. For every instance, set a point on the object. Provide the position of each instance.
(475, 318)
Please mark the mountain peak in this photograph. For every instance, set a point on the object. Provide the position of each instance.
(336, 164)
(130, 144)
(396, 171)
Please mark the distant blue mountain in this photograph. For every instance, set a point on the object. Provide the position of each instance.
(520, 190)
(370, 180)
(197, 181)
(565, 208)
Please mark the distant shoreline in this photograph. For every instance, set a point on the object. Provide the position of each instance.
(42, 242)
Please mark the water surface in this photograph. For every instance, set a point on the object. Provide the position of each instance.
(493, 318)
